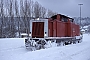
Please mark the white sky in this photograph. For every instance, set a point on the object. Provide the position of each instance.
(67, 7)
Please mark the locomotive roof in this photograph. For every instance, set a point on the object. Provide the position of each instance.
(62, 16)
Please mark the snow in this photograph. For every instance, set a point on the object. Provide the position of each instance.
(14, 49)
(24, 34)
(85, 27)
(78, 37)
(82, 30)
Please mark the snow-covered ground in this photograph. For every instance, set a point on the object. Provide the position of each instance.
(14, 49)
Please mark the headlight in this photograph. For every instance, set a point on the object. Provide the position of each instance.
(45, 34)
(30, 34)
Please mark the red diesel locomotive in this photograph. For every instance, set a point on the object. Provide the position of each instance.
(59, 29)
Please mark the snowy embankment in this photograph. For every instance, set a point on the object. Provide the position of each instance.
(14, 49)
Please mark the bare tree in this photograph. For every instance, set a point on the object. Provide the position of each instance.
(9, 9)
(43, 12)
(50, 13)
(22, 15)
(11, 15)
(1, 16)
(32, 9)
(37, 10)
(25, 9)
(29, 15)
(17, 16)
(26, 14)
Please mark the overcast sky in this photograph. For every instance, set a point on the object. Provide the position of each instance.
(67, 7)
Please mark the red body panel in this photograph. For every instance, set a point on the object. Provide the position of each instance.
(50, 28)
(56, 28)
(60, 29)
(70, 29)
(77, 30)
(74, 29)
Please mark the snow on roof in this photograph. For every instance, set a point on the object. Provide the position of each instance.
(40, 19)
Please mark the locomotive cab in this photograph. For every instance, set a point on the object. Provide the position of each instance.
(39, 29)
